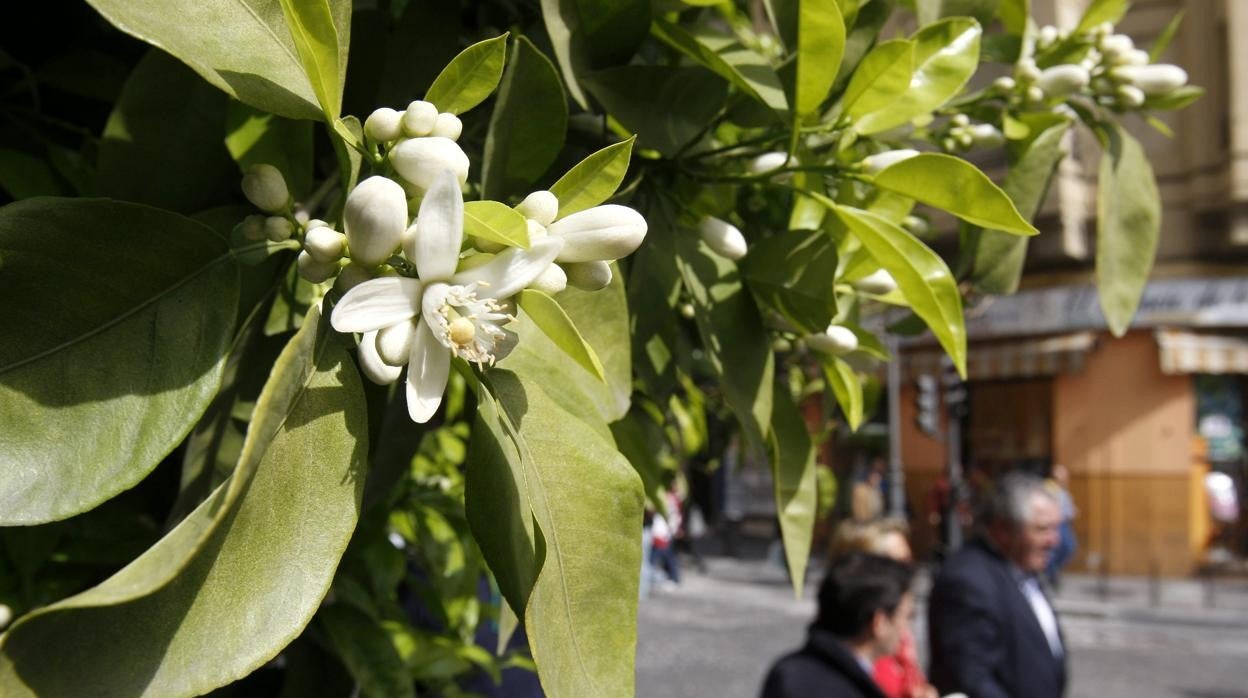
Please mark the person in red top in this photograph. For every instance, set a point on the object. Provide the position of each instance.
(898, 674)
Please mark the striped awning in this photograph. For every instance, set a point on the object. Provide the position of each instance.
(1195, 352)
(1047, 356)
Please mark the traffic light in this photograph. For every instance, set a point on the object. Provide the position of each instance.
(927, 404)
(955, 392)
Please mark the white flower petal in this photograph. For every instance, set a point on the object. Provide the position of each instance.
(378, 303)
(426, 374)
(372, 366)
(439, 229)
(512, 269)
(602, 233)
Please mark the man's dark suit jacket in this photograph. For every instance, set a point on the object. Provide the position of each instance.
(984, 637)
(824, 668)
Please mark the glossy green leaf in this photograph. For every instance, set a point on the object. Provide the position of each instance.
(882, 76)
(1167, 35)
(243, 48)
(587, 502)
(792, 272)
(162, 143)
(611, 31)
(528, 124)
(496, 222)
(172, 623)
(982, 10)
(560, 19)
(594, 179)
(783, 16)
(922, 276)
(954, 185)
(1128, 214)
(470, 77)
(1014, 15)
(729, 59)
(793, 480)
(311, 26)
(868, 342)
(820, 46)
(846, 388)
(1175, 99)
(1100, 11)
(133, 329)
(555, 323)
(666, 107)
(946, 54)
(861, 36)
(254, 137)
(733, 337)
(654, 286)
(998, 256)
(23, 175)
(366, 649)
(640, 439)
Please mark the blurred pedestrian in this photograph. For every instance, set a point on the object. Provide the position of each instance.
(897, 674)
(867, 497)
(1067, 544)
(994, 633)
(865, 605)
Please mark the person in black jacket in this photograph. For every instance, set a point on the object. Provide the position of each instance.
(865, 606)
(993, 631)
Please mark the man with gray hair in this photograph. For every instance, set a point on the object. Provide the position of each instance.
(993, 631)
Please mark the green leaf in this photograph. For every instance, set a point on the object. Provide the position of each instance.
(956, 186)
(590, 35)
(736, 344)
(173, 623)
(654, 286)
(922, 276)
(490, 220)
(1167, 35)
(162, 143)
(946, 54)
(1014, 15)
(594, 179)
(528, 124)
(1175, 99)
(23, 175)
(133, 329)
(793, 479)
(999, 256)
(846, 388)
(470, 77)
(783, 15)
(560, 19)
(366, 649)
(729, 59)
(792, 272)
(1102, 11)
(587, 502)
(982, 10)
(248, 54)
(820, 46)
(556, 324)
(254, 137)
(666, 107)
(1128, 214)
(311, 25)
(640, 439)
(881, 77)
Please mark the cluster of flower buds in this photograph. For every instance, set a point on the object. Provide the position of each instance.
(960, 135)
(1110, 69)
(417, 289)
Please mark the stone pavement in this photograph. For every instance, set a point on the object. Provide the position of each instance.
(717, 633)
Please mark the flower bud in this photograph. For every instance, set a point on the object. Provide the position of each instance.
(541, 206)
(1046, 36)
(264, 187)
(1130, 96)
(1026, 70)
(375, 217)
(986, 135)
(418, 119)
(325, 244)
(588, 276)
(879, 282)
(371, 365)
(252, 228)
(6, 615)
(1104, 29)
(447, 125)
(314, 271)
(1136, 57)
(421, 160)
(960, 120)
(964, 140)
(1004, 83)
(551, 281)
(394, 343)
(1156, 79)
(767, 162)
(351, 276)
(874, 164)
(1061, 80)
(278, 229)
(781, 345)
(536, 230)
(687, 311)
(1035, 94)
(917, 225)
(600, 233)
(1115, 46)
(722, 237)
(834, 340)
(384, 125)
